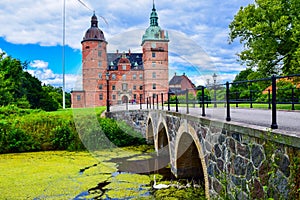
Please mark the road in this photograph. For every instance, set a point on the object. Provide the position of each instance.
(286, 120)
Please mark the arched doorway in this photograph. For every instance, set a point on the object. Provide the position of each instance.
(124, 99)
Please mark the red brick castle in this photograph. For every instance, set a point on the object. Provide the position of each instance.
(132, 76)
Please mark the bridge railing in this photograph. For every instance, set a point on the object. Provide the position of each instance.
(240, 93)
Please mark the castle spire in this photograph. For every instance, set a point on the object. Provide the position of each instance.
(153, 16)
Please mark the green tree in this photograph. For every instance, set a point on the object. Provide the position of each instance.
(270, 32)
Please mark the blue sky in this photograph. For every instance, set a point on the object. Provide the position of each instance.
(198, 30)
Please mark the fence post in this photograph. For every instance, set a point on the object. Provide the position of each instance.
(293, 99)
(141, 102)
(236, 100)
(176, 103)
(228, 118)
(157, 101)
(274, 117)
(269, 98)
(194, 105)
(187, 101)
(168, 101)
(162, 101)
(147, 102)
(251, 106)
(150, 102)
(203, 103)
(153, 99)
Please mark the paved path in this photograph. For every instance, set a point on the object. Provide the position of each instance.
(286, 120)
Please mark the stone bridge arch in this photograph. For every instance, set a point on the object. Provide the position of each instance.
(189, 156)
(150, 130)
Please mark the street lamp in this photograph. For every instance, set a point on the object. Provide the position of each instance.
(107, 91)
(215, 95)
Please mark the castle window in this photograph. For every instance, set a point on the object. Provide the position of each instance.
(99, 53)
(78, 97)
(124, 67)
(154, 75)
(114, 97)
(100, 87)
(100, 96)
(134, 96)
(124, 86)
(141, 76)
(154, 86)
(100, 44)
(113, 76)
(134, 87)
(153, 55)
(134, 76)
(141, 87)
(100, 64)
(100, 75)
(153, 64)
(87, 47)
(124, 77)
(113, 87)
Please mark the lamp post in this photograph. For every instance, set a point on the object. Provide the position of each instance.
(107, 91)
(215, 95)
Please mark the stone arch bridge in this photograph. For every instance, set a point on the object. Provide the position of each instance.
(229, 157)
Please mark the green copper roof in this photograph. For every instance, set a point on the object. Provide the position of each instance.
(154, 32)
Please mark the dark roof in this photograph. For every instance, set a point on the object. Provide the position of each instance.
(135, 59)
(94, 33)
(176, 80)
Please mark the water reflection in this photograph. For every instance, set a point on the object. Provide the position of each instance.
(135, 178)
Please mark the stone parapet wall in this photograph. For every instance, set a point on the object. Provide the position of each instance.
(239, 161)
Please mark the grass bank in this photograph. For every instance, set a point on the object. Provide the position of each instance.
(23, 130)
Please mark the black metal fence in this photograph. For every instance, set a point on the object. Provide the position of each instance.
(287, 91)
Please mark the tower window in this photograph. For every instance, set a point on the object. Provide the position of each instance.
(141, 87)
(124, 77)
(134, 76)
(114, 97)
(113, 87)
(99, 53)
(78, 97)
(100, 96)
(100, 75)
(134, 87)
(154, 86)
(153, 75)
(100, 45)
(124, 67)
(100, 87)
(141, 76)
(153, 64)
(100, 64)
(134, 96)
(113, 76)
(153, 55)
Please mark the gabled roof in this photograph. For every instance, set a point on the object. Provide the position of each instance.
(135, 59)
(178, 79)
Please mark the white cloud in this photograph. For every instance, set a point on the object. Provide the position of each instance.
(38, 64)
(198, 29)
(40, 70)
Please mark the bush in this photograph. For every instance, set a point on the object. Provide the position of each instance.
(31, 130)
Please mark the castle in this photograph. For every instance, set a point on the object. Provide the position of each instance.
(122, 77)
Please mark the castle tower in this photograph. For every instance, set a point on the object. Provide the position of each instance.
(94, 65)
(155, 58)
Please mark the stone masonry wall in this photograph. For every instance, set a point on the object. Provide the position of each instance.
(242, 161)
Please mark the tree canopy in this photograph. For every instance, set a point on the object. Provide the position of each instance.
(20, 88)
(270, 32)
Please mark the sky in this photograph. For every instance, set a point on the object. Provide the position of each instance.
(32, 31)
